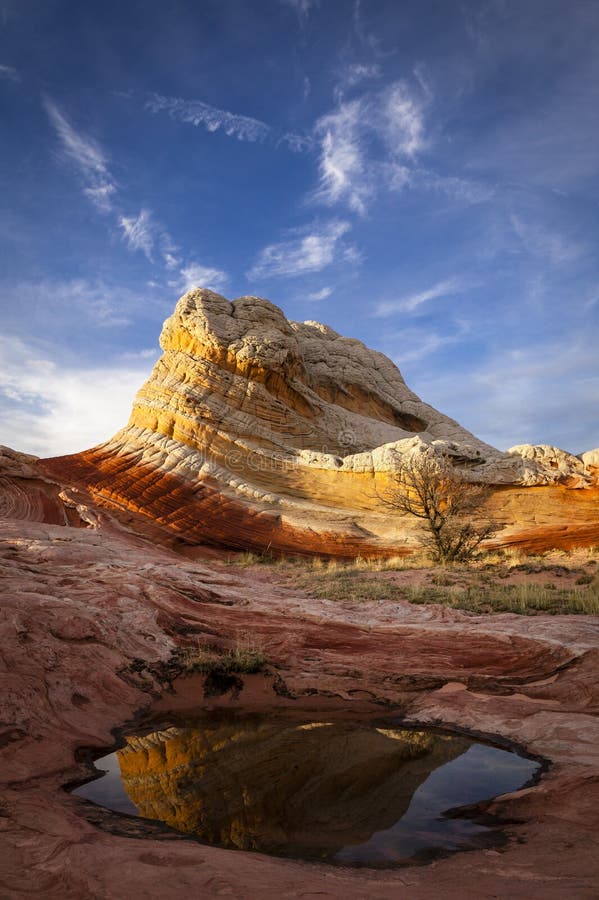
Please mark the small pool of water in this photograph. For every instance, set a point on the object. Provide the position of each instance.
(350, 793)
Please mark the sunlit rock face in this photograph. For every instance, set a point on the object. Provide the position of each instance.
(257, 432)
(306, 789)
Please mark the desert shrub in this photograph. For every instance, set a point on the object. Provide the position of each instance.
(448, 506)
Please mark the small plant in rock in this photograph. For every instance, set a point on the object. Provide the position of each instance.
(442, 580)
(248, 558)
(584, 579)
(243, 659)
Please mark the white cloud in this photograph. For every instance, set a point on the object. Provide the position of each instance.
(297, 143)
(140, 232)
(356, 73)
(149, 353)
(310, 250)
(87, 156)
(420, 344)
(465, 190)
(171, 261)
(412, 302)
(526, 394)
(243, 128)
(10, 73)
(370, 40)
(320, 295)
(369, 143)
(194, 275)
(50, 409)
(343, 173)
(55, 305)
(196, 112)
(85, 152)
(545, 243)
(100, 196)
(403, 120)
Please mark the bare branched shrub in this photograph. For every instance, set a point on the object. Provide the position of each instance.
(450, 507)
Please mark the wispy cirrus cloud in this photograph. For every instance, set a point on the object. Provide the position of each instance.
(194, 275)
(310, 249)
(367, 143)
(343, 170)
(10, 73)
(467, 191)
(297, 143)
(417, 344)
(196, 112)
(101, 196)
(87, 155)
(366, 37)
(525, 393)
(59, 305)
(140, 232)
(546, 243)
(322, 294)
(301, 7)
(375, 142)
(356, 73)
(143, 233)
(412, 302)
(242, 128)
(402, 125)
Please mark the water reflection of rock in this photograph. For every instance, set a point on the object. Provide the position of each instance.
(280, 786)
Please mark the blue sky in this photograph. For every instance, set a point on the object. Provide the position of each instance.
(422, 175)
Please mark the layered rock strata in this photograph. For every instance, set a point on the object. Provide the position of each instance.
(90, 614)
(257, 432)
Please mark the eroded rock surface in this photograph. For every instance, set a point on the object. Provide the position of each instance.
(257, 432)
(90, 616)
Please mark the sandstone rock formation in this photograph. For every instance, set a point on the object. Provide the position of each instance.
(89, 615)
(260, 433)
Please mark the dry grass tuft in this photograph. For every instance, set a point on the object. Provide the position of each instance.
(499, 581)
(524, 599)
(241, 659)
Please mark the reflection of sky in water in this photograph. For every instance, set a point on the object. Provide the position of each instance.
(480, 773)
(108, 790)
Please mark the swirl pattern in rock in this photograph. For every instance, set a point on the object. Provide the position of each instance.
(257, 432)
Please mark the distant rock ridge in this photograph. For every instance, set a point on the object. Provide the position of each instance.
(255, 431)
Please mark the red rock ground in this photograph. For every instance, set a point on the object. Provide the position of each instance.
(81, 604)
